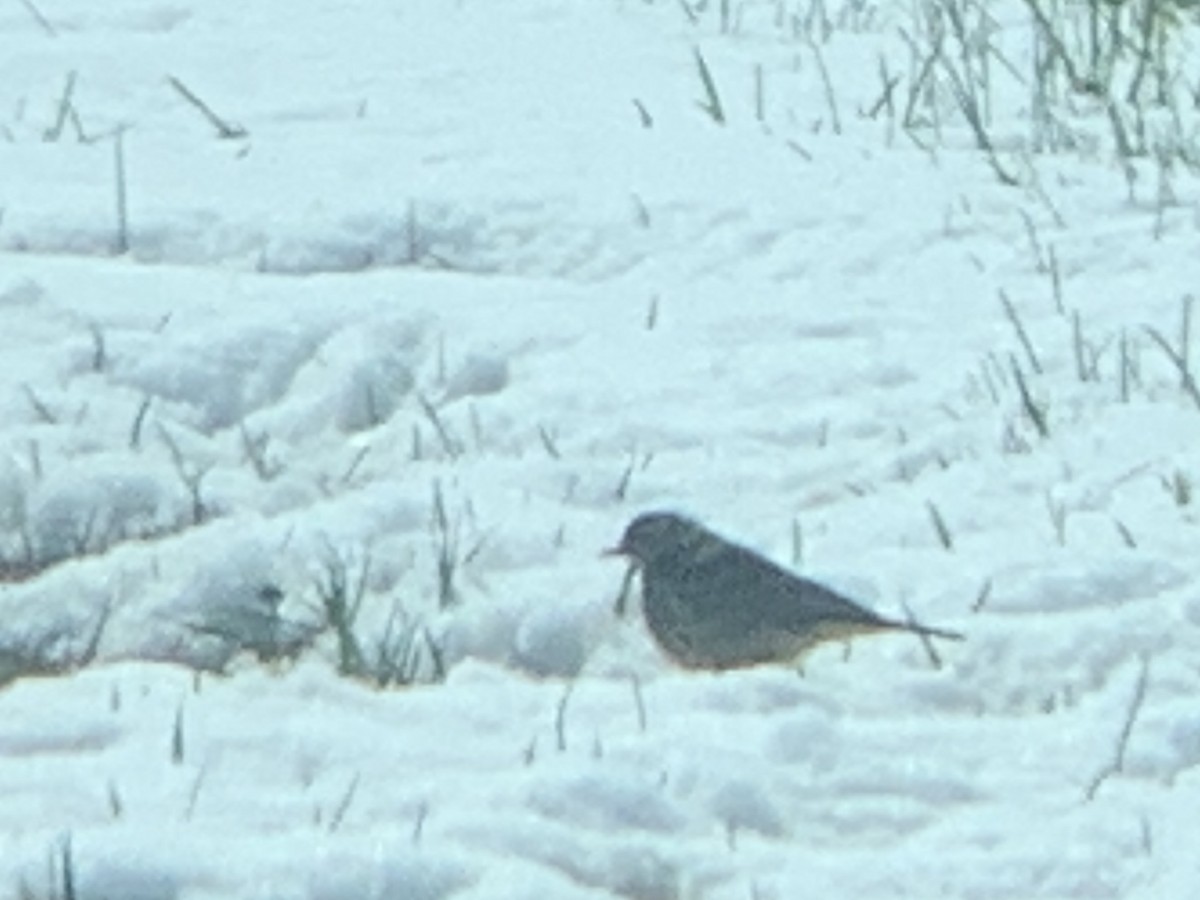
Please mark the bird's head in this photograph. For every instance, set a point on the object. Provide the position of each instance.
(657, 535)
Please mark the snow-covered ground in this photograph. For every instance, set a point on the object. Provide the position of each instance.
(465, 288)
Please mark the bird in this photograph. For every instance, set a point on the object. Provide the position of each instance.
(713, 604)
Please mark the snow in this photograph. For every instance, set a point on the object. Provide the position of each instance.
(443, 317)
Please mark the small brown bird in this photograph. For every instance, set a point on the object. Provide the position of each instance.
(712, 604)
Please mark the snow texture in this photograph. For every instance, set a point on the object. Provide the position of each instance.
(428, 305)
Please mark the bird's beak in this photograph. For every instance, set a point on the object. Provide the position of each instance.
(618, 550)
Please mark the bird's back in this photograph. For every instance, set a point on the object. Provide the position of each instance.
(723, 605)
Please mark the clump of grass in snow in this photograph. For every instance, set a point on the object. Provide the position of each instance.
(1180, 355)
(448, 550)
(178, 745)
(711, 104)
(1179, 485)
(341, 602)
(637, 462)
(255, 451)
(1121, 744)
(225, 129)
(404, 652)
(1035, 411)
(191, 474)
(939, 526)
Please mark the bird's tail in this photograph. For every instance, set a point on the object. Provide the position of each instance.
(927, 631)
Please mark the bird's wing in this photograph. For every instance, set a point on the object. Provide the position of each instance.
(766, 594)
